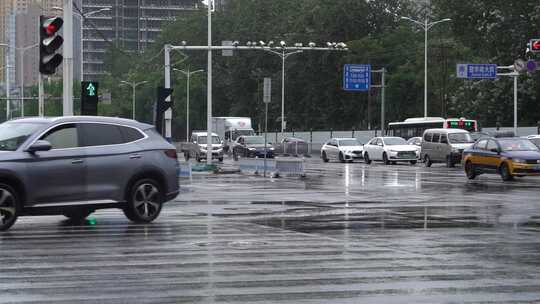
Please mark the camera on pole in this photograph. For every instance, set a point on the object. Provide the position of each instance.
(89, 97)
(49, 43)
(162, 105)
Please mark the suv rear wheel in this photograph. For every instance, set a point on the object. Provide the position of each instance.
(9, 206)
(145, 201)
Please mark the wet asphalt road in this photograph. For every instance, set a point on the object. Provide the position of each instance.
(348, 233)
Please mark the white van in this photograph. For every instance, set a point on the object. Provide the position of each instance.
(444, 146)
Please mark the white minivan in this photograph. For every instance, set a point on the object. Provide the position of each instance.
(444, 146)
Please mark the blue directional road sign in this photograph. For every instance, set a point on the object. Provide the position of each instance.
(476, 71)
(356, 77)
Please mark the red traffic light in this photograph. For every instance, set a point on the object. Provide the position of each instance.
(51, 25)
(50, 29)
(535, 45)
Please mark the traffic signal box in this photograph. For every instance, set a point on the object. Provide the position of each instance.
(49, 44)
(162, 105)
(89, 97)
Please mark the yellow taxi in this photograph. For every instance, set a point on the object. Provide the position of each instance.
(508, 157)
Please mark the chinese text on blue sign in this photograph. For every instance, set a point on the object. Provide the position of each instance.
(478, 71)
(356, 77)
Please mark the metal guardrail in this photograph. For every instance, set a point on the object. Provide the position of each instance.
(295, 167)
(256, 165)
(275, 167)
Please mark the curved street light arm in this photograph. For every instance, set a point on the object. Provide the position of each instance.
(430, 25)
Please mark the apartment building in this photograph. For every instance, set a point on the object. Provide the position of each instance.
(131, 25)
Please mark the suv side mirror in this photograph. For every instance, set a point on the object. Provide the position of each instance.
(39, 145)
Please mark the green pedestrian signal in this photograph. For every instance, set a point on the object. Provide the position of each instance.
(91, 89)
(89, 97)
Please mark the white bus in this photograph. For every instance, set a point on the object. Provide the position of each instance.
(415, 127)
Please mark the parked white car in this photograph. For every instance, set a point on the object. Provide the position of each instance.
(389, 150)
(417, 143)
(535, 139)
(342, 149)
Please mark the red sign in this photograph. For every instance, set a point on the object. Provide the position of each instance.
(535, 45)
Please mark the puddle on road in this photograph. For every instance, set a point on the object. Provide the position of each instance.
(337, 217)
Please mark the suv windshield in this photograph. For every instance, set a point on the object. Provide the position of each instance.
(349, 142)
(202, 140)
(254, 140)
(517, 145)
(460, 138)
(13, 134)
(394, 141)
(535, 141)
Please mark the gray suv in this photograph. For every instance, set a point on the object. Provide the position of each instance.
(76, 165)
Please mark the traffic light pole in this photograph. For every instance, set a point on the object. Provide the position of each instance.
(513, 73)
(382, 86)
(67, 72)
(41, 102)
(168, 113)
(209, 90)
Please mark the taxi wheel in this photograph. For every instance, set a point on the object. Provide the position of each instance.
(413, 162)
(505, 173)
(469, 170)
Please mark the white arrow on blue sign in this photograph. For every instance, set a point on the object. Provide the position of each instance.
(356, 77)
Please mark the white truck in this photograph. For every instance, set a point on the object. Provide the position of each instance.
(229, 128)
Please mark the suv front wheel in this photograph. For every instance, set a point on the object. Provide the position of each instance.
(9, 209)
(144, 202)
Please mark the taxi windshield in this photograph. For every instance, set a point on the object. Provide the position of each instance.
(517, 145)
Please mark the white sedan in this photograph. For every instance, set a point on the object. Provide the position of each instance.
(342, 149)
(389, 150)
(535, 139)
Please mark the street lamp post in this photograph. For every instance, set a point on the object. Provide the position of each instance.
(426, 26)
(188, 74)
(7, 82)
(284, 55)
(133, 85)
(22, 51)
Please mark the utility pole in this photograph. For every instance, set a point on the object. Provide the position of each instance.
(67, 68)
(382, 86)
(209, 89)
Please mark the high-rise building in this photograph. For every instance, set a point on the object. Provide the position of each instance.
(131, 25)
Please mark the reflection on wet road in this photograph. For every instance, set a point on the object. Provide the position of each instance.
(348, 233)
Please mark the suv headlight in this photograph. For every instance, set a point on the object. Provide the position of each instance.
(251, 149)
(455, 150)
(519, 160)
